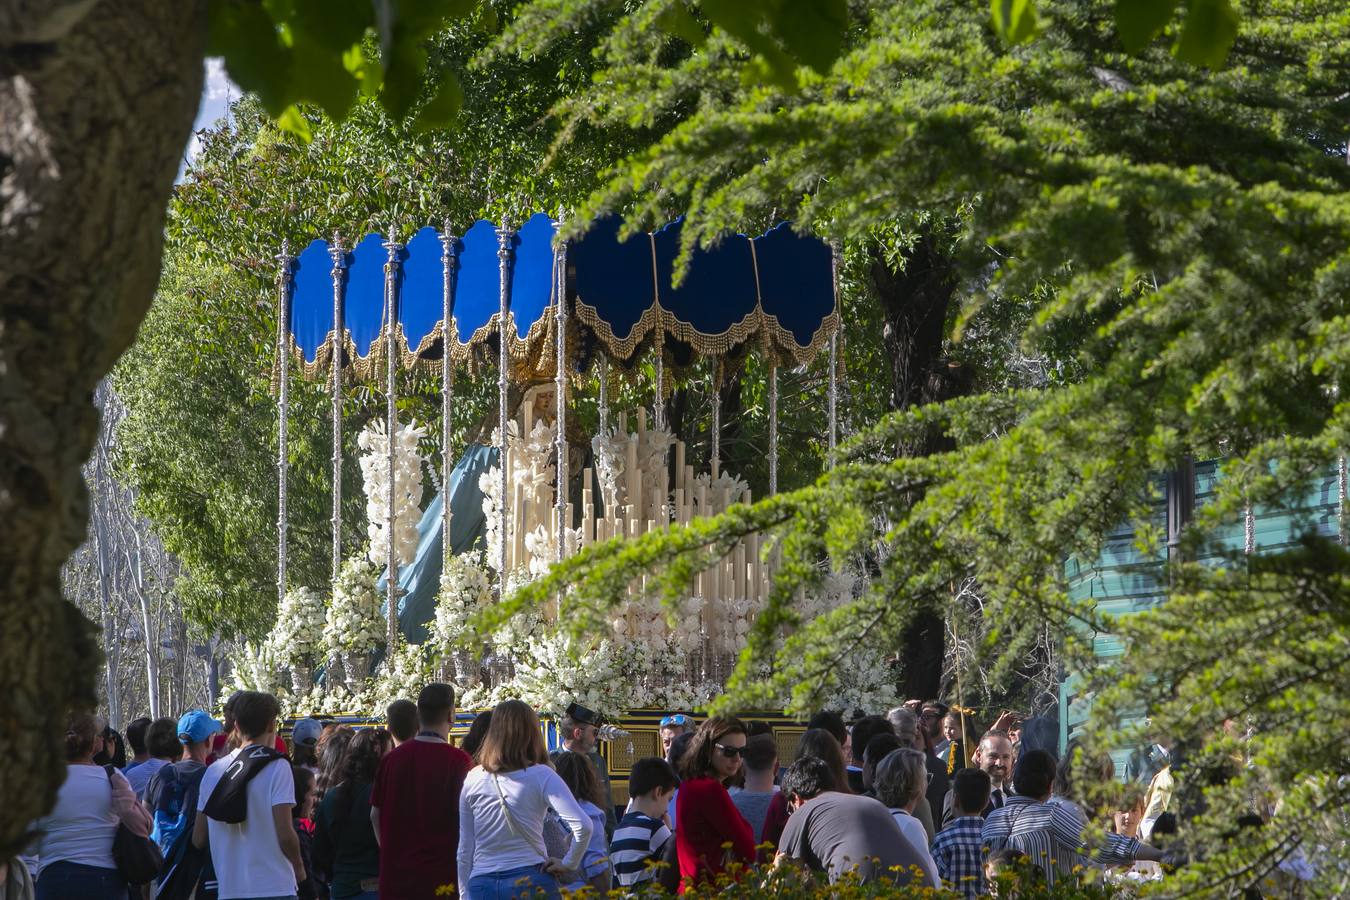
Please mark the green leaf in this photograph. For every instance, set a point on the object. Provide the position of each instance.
(677, 21)
(443, 107)
(1208, 32)
(336, 26)
(246, 36)
(319, 76)
(813, 30)
(293, 122)
(1014, 20)
(404, 65)
(1140, 21)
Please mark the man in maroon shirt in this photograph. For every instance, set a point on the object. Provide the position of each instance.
(418, 785)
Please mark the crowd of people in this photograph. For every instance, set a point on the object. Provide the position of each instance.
(227, 809)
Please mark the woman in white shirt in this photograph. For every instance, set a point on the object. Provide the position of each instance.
(502, 810)
(75, 839)
(900, 781)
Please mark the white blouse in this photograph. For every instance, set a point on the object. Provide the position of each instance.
(501, 821)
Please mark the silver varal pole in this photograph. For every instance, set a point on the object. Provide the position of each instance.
(604, 393)
(715, 464)
(834, 356)
(336, 253)
(391, 387)
(504, 255)
(285, 263)
(448, 265)
(773, 428)
(560, 387)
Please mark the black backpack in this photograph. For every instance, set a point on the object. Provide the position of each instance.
(229, 801)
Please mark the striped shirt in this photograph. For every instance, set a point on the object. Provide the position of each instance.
(958, 853)
(637, 840)
(1050, 833)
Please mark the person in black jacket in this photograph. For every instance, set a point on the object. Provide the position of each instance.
(310, 888)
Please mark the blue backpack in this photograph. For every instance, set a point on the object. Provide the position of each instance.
(173, 804)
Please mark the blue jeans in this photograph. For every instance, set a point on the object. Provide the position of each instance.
(527, 881)
(75, 881)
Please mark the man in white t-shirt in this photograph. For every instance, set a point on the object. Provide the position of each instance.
(247, 798)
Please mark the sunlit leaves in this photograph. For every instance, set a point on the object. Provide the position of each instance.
(1204, 36)
(309, 51)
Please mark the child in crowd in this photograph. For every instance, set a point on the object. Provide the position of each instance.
(643, 833)
(579, 775)
(302, 818)
(957, 850)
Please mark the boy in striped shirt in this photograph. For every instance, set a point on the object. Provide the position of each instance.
(642, 833)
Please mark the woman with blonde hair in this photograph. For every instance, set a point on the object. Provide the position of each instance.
(502, 809)
(705, 817)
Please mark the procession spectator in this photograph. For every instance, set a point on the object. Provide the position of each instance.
(1050, 834)
(930, 720)
(345, 850)
(958, 850)
(878, 748)
(247, 798)
(171, 796)
(674, 754)
(502, 810)
(642, 836)
(307, 887)
(832, 722)
(305, 736)
(329, 752)
(228, 739)
(114, 752)
(821, 744)
(707, 819)
(672, 726)
(993, 757)
(579, 731)
(836, 833)
(477, 731)
(901, 777)
(860, 734)
(415, 803)
(161, 743)
(401, 719)
(140, 753)
(579, 775)
(74, 846)
(760, 767)
(951, 741)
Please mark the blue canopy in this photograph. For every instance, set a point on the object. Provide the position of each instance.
(778, 287)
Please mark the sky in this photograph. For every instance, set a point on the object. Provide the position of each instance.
(217, 93)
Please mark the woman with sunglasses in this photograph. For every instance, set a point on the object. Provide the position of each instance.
(706, 819)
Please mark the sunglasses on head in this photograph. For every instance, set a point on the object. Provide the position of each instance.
(730, 752)
(679, 719)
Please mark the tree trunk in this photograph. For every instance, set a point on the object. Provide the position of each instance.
(97, 101)
(915, 304)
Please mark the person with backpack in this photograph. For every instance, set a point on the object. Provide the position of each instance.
(75, 843)
(344, 842)
(171, 795)
(247, 798)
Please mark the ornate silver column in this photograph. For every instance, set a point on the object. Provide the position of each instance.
(560, 388)
(339, 258)
(285, 263)
(773, 427)
(449, 262)
(391, 248)
(504, 256)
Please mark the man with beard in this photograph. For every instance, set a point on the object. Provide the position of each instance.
(993, 756)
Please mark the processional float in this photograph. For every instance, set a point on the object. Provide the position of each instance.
(443, 299)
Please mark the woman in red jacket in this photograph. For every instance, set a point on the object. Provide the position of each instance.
(705, 817)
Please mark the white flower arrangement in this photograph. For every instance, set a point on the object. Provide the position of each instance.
(465, 590)
(299, 629)
(408, 461)
(354, 623)
(255, 667)
(402, 674)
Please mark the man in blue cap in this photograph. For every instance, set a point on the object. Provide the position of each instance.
(174, 785)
